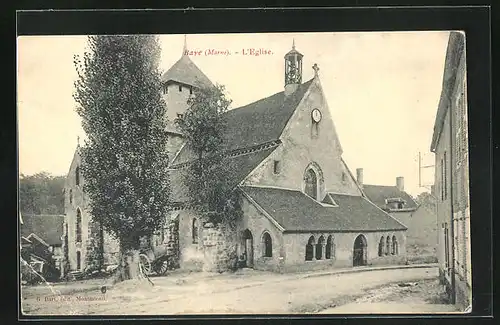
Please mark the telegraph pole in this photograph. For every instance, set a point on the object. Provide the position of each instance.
(420, 168)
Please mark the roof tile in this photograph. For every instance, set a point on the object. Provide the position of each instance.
(186, 72)
(259, 122)
(379, 193)
(295, 211)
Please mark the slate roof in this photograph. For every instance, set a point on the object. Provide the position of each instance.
(48, 227)
(379, 193)
(259, 122)
(240, 167)
(296, 212)
(186, 72)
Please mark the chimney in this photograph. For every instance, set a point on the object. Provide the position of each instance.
(359, 176)
(400, 183)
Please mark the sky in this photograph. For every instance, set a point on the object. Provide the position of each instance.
(382, 90)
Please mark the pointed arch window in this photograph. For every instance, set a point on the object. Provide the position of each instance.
(329, 247)
(267, 245)
(394, 246)
(78, 226)
(388, 246)
(311, 186)
(319, 248)
(381, 246)
(310, 249)
(195, 231)
(77, 175)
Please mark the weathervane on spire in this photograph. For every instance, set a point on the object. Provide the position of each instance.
(293, 44)
(316, 69)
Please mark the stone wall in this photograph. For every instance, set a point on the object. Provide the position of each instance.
(219, 248)
(191, 255)
(176, 100)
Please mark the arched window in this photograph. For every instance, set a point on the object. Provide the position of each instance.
(388, 246)
(77, 175)
(319, 248)
(78, 226)
(328, 248)
(267, 245)
(195, 231)
(311, 181)
(310, 249)
(381, 246)
(394, 246)
(70, 196)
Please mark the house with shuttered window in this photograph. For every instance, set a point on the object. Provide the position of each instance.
(450, 146)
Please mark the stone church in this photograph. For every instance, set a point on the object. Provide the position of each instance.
(302, 207)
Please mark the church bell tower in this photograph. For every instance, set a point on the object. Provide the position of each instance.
(293, 70)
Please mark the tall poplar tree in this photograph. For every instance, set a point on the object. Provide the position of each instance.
(203, 126)
(124, 158)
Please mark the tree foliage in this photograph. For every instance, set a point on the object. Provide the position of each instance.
(124, 159)
(41, 193)
(203, 125)
(427, 200)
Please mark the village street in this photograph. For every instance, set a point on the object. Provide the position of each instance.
(243, 292)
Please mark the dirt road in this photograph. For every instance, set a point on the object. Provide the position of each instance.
(259, 293)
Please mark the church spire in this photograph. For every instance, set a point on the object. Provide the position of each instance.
(184, 49)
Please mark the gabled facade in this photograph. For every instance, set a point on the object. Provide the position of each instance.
(89, 247)
(450, 146)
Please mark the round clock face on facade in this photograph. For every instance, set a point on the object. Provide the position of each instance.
(316, 115)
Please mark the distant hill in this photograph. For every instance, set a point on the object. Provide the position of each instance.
(41, 193)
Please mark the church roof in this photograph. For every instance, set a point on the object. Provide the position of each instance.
(186, 72)
(294, 211)
(238, 167)
(379, 193)
(258, 122)
(48, 227)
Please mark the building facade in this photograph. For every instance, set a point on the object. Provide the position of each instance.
(450, 146)
(302, 208)
(421, 221)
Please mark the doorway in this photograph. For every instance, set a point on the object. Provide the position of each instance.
(359, 256)
(78, 260)
(248, 245)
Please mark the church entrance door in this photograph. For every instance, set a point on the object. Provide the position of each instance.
(359, 255)
(248, 239)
